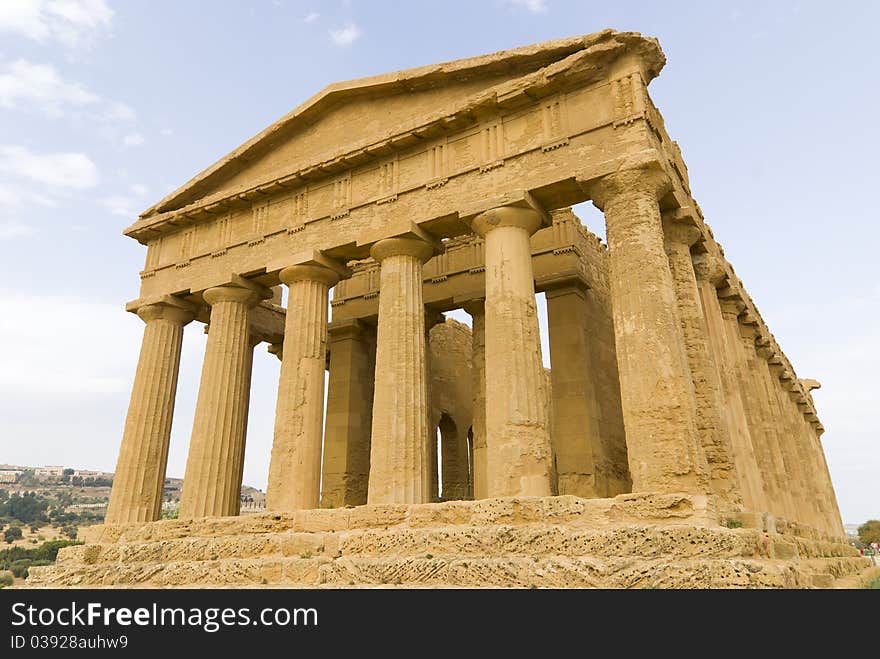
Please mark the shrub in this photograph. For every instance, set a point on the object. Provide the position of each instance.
(870, 531)
(12, 534)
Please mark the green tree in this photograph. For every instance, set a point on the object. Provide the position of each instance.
(26, 509)
(870, 531)
(12, 534)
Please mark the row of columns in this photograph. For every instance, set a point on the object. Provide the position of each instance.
(702, 406)
(511, 441)
(710, 410)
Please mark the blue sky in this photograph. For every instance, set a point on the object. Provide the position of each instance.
(107, 106)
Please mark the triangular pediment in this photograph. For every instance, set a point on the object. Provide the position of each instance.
(355, 117)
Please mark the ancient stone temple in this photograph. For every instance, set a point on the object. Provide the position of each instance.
(671, 443)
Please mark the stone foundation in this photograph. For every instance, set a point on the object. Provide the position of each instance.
(629, 541)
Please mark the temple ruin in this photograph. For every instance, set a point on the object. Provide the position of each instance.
(671, 427)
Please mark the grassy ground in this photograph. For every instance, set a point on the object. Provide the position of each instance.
(30, 540)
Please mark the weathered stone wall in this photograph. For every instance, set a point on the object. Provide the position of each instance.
(451, 400)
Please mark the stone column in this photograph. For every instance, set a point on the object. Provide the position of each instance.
(655, 387)
(816, 512)
(432, 317)
(399, 439)
(837, 526)
(210, 487)
(679, 236)
(709, 275)
(794, 456)
(518, 452)
(788, 492)
(476, 308)
(238, 453)
(818, 482)
(754, 442)
(580, 455)
(761, 421)
(346, 465)
(295, 465)
(454, 455)
(140, 470)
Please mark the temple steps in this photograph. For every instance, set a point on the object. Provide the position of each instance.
(631, 541)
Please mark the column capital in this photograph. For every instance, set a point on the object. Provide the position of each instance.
(310, 272)
(645, 181)
(507, 216)
(708, 267)
(349, 328)
(475, 307)
(680, 231)
(402, 247)
(432, 318)
(276, 349)
(245, 296)
(731, 306)
(575, 286)
(747, 330)
(178, 313)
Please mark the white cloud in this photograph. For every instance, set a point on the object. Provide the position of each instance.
(120, 205)
(534, 6)
(117, 111)
(40, 88)
(133, 139)
(73, 171)
(347, 35)
(73, 23)
(27, 84)
(140, 189)
(15, 198)
(166, 132)
(15, 229)
(311, 17)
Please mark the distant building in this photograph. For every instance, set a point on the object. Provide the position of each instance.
(87, 474)
(46, 472)
(10, 475)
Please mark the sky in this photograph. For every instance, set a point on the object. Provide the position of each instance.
(106, 106)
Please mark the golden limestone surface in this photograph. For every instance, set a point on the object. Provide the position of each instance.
(671, 443)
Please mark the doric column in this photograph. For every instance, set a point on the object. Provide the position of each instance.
(295, 465)
(241, 442)
(817, 511)
(399, 441)
(210, 484)
(762, 424)
(346, 465)
(655, 387)
(476, 308)
(140, 470)
(813, 430)
(774, 432)
(709, 275)
(837, 521)
(818, 482)
(432, 317)
(754, 442)
(793, 451)
(518, 453)
(680, 234)
(580, 456)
